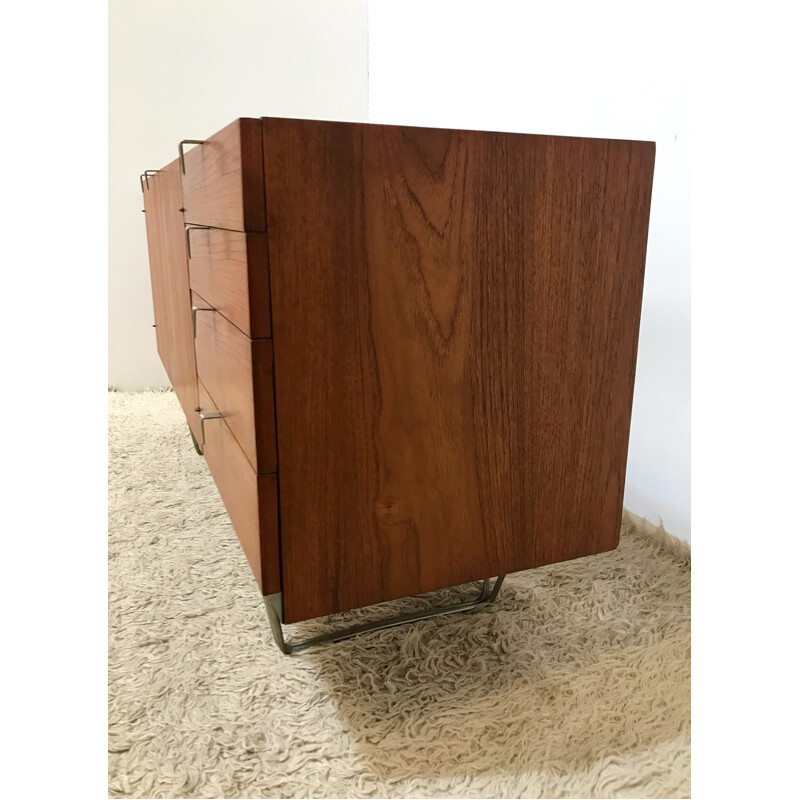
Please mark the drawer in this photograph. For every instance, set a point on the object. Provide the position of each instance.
(223, 179)
(251, 500)
(230, 269)
(237, 373)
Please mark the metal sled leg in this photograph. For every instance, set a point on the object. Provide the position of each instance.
(197, 448)
(274, 612)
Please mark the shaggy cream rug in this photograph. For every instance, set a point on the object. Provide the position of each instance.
(574, 684)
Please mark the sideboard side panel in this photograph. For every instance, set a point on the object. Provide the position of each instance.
(455, 317)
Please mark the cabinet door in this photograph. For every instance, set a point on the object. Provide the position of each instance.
(455, 318)
(169, 276)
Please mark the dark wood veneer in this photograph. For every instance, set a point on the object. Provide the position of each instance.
(455, 317)
(223, 185)
(237, 373)
(230, 269)
(250, 499)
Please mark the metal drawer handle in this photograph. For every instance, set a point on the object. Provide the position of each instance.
(180, 150)
(186, 237)
(195, 309)
(203, 418)
(143, 178)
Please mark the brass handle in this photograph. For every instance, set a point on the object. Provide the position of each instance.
(180, 150)
(195, 309)
(143, 178)
(186, 238)
(203, 418)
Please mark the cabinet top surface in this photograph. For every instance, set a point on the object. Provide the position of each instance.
(454, 130)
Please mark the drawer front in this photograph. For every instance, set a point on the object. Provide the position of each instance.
(251, 500)
(237, 373)
(223, 179)
(230, 269)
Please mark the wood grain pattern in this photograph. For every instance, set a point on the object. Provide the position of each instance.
(230, 269)
(223, 185)
(591, 207)
(251, 500)
(237, 373)
(170, 284)
(455, 318)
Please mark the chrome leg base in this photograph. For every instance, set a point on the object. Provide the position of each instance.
(486, 595)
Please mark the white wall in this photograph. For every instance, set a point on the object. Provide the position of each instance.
(182, 69)
(601, 69)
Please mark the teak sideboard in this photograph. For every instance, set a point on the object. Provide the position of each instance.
(407, 354)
